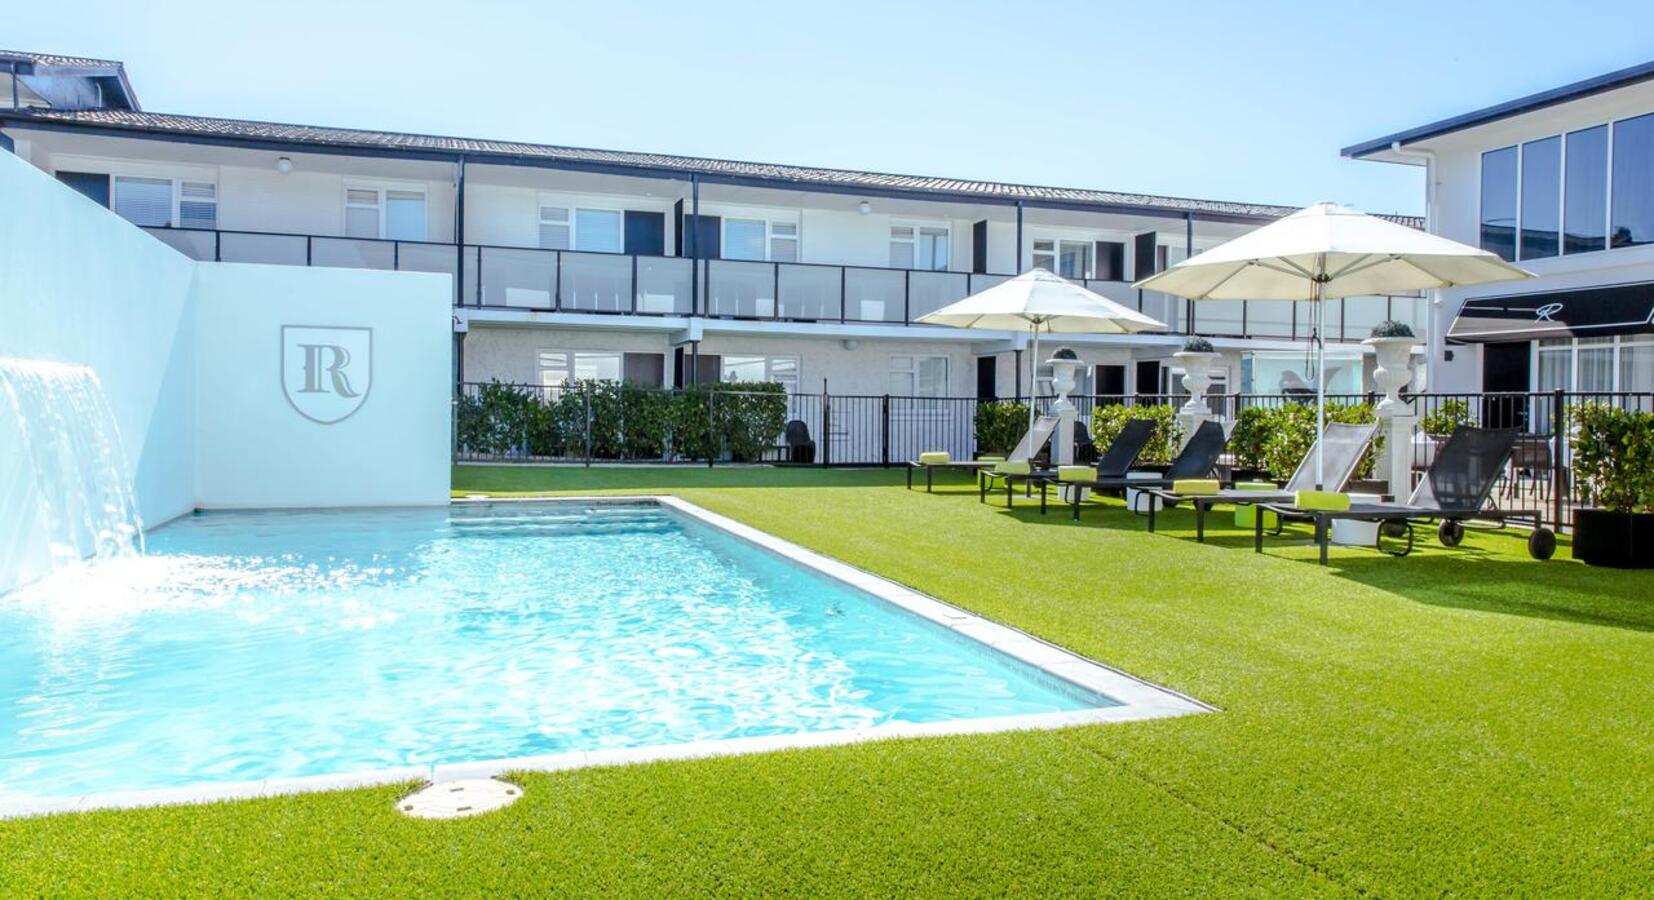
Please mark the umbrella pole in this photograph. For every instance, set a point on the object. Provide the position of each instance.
(1033, 379)
(1320, 382)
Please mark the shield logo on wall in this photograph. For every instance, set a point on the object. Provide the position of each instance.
(326, 370)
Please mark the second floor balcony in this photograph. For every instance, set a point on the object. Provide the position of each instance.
(568, 281)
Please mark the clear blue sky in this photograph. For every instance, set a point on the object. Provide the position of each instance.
(1224, 100)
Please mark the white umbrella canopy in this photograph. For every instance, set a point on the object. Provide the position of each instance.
(1326, 252)
(1039, 301)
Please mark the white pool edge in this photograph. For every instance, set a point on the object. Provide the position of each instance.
(1138, 699)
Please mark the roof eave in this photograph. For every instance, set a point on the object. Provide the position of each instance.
(1578, 90)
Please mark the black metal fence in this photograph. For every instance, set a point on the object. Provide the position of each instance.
(590, 422)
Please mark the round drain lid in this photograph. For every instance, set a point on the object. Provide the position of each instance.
(454, 799)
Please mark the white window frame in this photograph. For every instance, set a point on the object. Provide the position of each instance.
(1572, 349)
(1056, 253)
(794, 381)
(380, 189)
(913, 227)
(770, 237)
(912, 367)
(569, 367)
(175, 216)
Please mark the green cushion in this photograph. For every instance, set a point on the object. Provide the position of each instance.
(1084, 474)
(1330, 501)
(1195, 487)
(990, 459)
(934, 458)
(1256, 486)
(1022, 467)
(1246, 515)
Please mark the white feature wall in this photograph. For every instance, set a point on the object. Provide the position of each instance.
(188, 354)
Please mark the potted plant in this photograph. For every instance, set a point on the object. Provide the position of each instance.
(1613, 456)
(1392, 344)
(1196, 358)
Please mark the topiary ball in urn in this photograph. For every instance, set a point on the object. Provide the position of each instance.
(1198, 344)
(1390, 328)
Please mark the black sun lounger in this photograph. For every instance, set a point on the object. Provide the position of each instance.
(1115, 462)
(1342, 446)
(1196, 460)
(1454, 490)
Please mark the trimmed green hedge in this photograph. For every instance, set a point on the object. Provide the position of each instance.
(735, 420)
(999, 425)
(1275, 439)
(1107, 421)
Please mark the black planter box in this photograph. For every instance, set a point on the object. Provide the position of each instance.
(1615, 539)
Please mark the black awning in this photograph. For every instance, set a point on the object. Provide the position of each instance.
(1586, 312)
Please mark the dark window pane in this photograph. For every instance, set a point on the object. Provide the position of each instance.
(1499, 202)
(1633, 181)
(1541, 197)
(1585, 220)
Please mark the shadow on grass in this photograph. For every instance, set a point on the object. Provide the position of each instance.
(1489, 572)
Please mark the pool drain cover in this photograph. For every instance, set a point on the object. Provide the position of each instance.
(453, 799)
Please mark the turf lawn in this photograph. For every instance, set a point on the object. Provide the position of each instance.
(1456, 723)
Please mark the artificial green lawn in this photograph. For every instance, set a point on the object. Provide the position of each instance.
(1464, 722)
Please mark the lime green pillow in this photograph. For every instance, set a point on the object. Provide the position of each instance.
(1256, 486)
(934, 458)
(1328, 501)
(990, 459)
(1022, 467)
(1195, 487)
(1077, 474)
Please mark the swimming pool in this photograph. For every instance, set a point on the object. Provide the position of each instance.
(254, 650)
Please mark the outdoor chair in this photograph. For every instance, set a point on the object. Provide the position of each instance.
(1195, 460)
(801, 448)
(1342, 447)
(1456, 489)
(1115, 463)
(1018, 467)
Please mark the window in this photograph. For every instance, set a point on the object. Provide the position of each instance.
(758, 239)
(782, 370)
(1499, 202)
(585, 230)
(919, 247)
(1111, 261)
(1585, 187)
(599, 231)
(166, 203)
(1541, 197)
(1595, 364)
(396, 214)
(1070, 259)
(919, 376)
(555, 231)
(1633, 206)
(560, 367)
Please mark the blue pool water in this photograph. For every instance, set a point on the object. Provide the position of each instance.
(248, 646)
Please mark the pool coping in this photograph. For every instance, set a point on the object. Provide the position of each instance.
(1138, 699)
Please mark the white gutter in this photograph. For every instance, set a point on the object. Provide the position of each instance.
(1435, 340)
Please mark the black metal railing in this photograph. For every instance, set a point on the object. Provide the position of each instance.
(882, 430)
(502, 277)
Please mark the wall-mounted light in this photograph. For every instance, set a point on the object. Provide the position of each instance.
(864, 207)
(851, 343)
(284, 165)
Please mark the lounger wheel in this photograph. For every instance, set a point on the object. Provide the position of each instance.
(1395, 530)
(1451, 532)
(1542, 543)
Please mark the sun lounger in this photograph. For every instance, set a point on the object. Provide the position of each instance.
(1197, 459)
(1115, 463)
(1018, 466)
(1454, 490)
(1342, 446)
(929, 462)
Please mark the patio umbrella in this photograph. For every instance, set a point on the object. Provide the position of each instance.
(1327, 252)
(1040, 301)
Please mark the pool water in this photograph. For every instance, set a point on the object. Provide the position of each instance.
(252, 646)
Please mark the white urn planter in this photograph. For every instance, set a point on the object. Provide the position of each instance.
(1197, 377)
(1392, 373)
(1065, 376)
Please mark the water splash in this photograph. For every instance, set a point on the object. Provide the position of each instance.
(71, 450)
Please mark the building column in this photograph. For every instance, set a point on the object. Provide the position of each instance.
(1019, 242)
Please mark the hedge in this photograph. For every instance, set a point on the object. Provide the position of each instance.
(1000, 424)
(735, 420)
(1276, 439)
(1614, 456)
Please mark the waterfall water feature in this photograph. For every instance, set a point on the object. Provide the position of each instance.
(64, 448)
